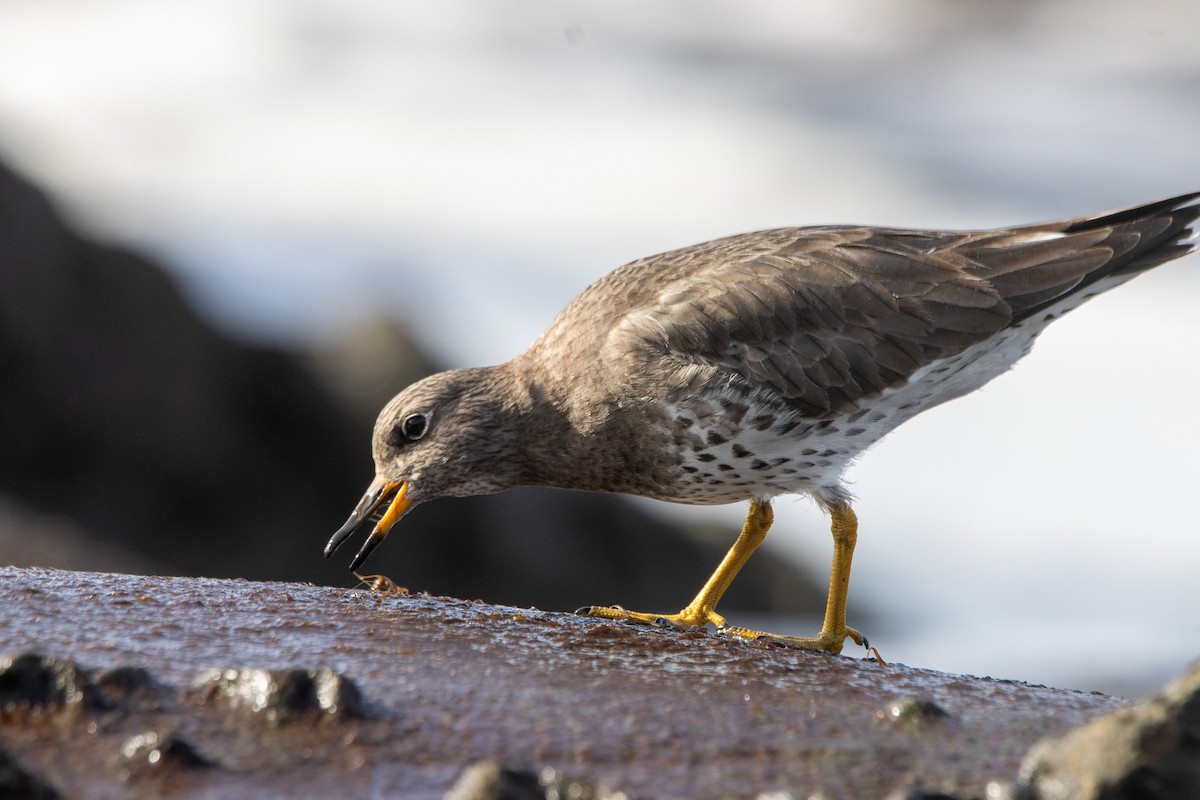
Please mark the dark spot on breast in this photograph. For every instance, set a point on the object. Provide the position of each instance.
(740, 451)
(716, 438)
(806, 465)
(706, 457)
(808, 451)
(763, 421)
(855, 431)
(691, 469)
(685, 422)
(878, 416)
(827, 453)
(787, 427)
(857, 415)
(724, 467)
(788, 471)
(758, 463)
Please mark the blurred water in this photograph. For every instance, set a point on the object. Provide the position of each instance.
(473, 165)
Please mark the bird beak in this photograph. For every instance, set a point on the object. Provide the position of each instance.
(381, 491)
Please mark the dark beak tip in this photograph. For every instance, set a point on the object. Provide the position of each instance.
(372, 500)
(343, 533)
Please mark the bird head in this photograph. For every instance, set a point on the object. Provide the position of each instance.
(442, 436)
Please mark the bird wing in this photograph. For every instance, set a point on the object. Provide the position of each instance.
(829, 317)
(822, 317)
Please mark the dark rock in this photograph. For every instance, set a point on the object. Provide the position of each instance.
(558, 786)
(284, 695)
(31, 681)
(137, 438)
(1148, 752)
(17, 784)
(915, 711)
(29, 537)
(922, 794)
(153, 751)
(123, 410)
(488, 780)
(131, 686)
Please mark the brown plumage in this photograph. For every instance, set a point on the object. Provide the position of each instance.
(752, 366)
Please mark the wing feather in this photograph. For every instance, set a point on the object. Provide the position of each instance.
(827, 318)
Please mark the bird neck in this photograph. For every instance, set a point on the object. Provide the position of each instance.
(573, 435)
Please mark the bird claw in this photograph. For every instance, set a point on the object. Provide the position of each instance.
(829, 642)
(680, 621)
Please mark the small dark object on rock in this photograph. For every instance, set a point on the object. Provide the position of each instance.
(488, 780)
(127, 684)
(381, 585)
(284, 695)
(1148, 751)
(914, 793)
(17, 784)
(31, 681)
(914, 711)
(153, 751)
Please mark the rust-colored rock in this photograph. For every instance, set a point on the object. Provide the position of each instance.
(446, 684)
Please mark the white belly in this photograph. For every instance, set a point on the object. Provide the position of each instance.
(723, 460)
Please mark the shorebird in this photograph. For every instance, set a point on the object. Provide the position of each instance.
(750, 367)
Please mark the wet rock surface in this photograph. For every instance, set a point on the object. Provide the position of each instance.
(447, 684)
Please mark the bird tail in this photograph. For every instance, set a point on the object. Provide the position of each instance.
(1165, 230)
(1054, 266)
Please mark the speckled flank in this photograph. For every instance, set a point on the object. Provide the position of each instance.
(731, 450)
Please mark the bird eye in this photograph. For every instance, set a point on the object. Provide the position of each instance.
(414, 426)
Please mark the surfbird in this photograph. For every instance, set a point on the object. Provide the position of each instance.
(750, 367)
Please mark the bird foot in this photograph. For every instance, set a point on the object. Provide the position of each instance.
(830, 642)
(686, 619)
(692, 618)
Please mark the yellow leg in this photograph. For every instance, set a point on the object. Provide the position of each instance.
(833, 631)
(702, 609)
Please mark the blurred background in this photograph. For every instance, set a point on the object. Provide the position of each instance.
(231, 229)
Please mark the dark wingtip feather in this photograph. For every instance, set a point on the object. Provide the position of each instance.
(1184, 209)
